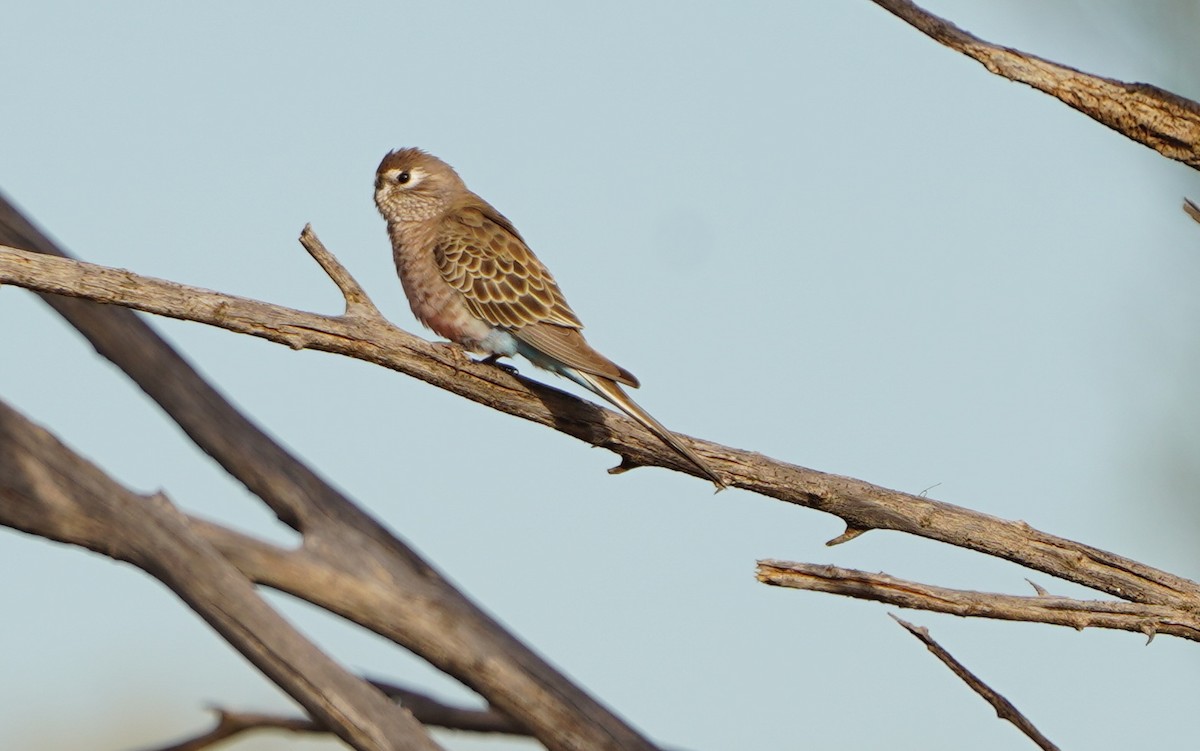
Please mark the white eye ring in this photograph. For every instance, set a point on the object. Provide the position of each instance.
(407, 179)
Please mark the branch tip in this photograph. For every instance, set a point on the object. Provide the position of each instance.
(1041, 591)
(847, 536)
(1191, 209)
(358, 304)
(625, 465)
(1005, 709)
(1150, 630)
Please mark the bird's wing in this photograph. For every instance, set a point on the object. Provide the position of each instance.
(480, 254)
(502, 281)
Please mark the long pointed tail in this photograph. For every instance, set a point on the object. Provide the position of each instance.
(614, 394)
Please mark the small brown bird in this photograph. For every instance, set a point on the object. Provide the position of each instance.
(470, 277)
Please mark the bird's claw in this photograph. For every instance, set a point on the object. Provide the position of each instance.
(495, 360)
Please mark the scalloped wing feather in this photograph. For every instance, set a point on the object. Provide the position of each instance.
(500, 278)
(480, 254)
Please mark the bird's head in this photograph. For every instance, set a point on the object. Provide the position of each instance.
(412, 186)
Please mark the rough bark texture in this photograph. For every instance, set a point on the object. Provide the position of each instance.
(861, 505)
(425, 613)
(351, 565)
(47, 490)
(1154, 117)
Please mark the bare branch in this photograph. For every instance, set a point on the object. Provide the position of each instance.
(47, 490)
(419, 601)
(1059, 611)
(230, 724)
(357, 302)
(430, 711)
(1154, 117)
(366, 337)
(1005, 709)
(861, 505)
(424, 708)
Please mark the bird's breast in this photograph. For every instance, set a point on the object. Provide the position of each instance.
(433, 301)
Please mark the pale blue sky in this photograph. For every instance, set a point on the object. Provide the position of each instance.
(808, 229)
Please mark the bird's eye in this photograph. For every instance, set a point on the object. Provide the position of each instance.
(403, 178)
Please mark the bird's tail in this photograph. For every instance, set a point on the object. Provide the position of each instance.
(614, 394)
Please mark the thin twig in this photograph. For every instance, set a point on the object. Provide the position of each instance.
(357, 301)
(1154, 117)
(230, 723)
(1059, 611)
(1005, 709)
(427, 710)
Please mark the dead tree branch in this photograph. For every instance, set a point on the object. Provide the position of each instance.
(1059, 611)
(350, 564)
(426, 709)
(230, 723)
(419, 601)
(430, 711)
(1154, 117)
(861, 505)
(1005, 709)
(47, 490)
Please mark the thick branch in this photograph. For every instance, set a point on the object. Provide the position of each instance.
(1059, 611)
(1166, 122)
(517, 681)
(47, 490)
(861, 505)
(1005, 709)
(366, 336)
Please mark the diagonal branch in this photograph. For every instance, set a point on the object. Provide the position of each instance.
(47, 490)
(1154, 117)
(1059, 611)
(1005, 709)
(421, 602)
(368, 337)
(357, 301)
(861, 505)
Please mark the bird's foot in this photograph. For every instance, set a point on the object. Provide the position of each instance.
(495, 360)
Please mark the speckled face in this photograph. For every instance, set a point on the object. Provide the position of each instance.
(412, 186)
(408, 194)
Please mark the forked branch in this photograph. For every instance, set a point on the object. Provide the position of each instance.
(414, 599)
(861, 505)
(47, 490)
